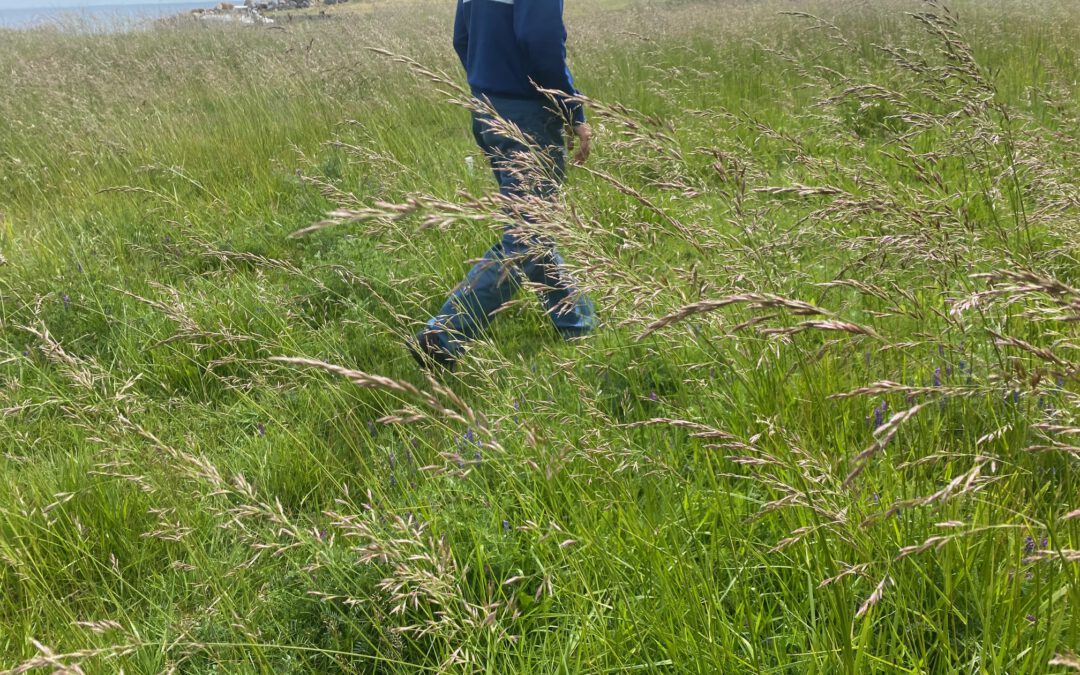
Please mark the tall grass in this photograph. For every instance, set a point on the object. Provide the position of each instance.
(829, 424)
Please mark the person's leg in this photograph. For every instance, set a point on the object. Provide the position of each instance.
(492, 282)
(489, 285)
(572, 313)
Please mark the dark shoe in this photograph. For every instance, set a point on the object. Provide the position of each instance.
(428, 353)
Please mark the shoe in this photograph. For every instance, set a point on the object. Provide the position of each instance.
(427, 352)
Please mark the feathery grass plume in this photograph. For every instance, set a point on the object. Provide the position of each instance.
(875, 597)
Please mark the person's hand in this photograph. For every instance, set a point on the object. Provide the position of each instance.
(582, 139)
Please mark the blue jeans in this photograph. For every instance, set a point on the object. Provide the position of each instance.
(492, 282)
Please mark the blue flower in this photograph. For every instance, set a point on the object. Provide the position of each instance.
(506, 526)
(879, 414)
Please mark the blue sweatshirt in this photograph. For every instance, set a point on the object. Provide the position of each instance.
(504, 44)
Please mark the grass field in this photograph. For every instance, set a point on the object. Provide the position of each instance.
(829, 424)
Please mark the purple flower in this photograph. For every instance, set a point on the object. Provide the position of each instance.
(470, 438)
(260, 429)
(1029, 545)
(937, 377)
(67, 301)
(879, 414)
(653, 396)
(506, 526)
(478, 457)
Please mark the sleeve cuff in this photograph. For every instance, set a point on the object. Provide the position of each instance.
(576, 112)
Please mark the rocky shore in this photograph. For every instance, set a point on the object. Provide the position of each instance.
(256, 11)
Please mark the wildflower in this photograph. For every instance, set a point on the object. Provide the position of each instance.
(506, 525)
(1029, 545)
(478, 457)
(67, 301)
(879, 414)
(653, 396)
(260, 429)
(937, 377)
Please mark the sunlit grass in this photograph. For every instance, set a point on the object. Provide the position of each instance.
(779, 211)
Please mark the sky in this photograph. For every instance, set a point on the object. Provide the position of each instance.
(47, 4)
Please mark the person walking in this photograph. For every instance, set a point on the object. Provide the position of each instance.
(509, 48)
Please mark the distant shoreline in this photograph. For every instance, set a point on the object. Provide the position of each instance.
(123, 18)
(100, 18)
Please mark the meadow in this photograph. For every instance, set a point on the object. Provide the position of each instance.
(829, 423)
